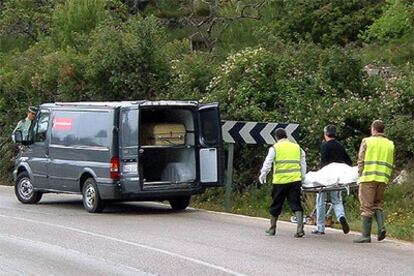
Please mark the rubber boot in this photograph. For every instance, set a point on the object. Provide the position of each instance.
(379, 216)
(366, 231)
(272, 230)
(299, 220)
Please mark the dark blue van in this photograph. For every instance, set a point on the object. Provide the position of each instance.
(121, 151)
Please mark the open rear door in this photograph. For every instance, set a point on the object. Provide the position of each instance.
(129, 154)
(211, 146)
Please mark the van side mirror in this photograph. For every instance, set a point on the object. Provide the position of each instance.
(18, 137)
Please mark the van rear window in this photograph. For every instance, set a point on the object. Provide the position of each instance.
(129, 130)
(74, 128)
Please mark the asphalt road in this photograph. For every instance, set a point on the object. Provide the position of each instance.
(58, 237)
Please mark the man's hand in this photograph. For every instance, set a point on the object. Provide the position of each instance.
(262, 178)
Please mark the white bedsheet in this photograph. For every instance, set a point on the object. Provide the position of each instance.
(332, 174)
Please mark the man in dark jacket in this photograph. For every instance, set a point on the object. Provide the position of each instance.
(331, 151)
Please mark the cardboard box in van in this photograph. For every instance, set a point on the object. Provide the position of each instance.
(163, 134)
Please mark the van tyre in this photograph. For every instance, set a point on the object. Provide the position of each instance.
(25, 191)
(180, 203)
(90, 197)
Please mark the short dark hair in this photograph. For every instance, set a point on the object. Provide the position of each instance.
(378, 125)
(330, 131)
(32, 109)
(279, 133)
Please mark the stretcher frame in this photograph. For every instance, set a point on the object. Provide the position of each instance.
(348, 187)
(319, 188)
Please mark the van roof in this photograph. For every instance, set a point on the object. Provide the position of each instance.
(121, 104)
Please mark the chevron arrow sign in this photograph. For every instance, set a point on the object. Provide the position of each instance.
(237, 132)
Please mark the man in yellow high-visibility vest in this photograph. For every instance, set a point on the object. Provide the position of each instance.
(375, 163)
(289, 168)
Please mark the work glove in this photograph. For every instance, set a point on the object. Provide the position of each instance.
(262, 178)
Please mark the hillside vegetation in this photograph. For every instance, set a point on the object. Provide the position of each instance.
(311, 62)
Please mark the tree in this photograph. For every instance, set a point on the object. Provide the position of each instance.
(324, 22)
(127, 62)
(26, 18)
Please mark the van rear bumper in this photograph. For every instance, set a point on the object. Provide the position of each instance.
(115, 192)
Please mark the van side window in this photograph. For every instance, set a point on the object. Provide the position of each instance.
(40, 129)
(129, 131)
(78, 128)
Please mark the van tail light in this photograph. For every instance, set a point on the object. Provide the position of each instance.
(114, 169)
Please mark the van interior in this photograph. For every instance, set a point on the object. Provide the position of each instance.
(167, 138)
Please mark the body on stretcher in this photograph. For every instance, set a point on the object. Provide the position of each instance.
(348, 187)
(333, 177)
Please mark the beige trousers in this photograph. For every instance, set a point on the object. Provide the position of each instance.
(371, 195)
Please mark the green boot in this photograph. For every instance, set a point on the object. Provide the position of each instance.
(272, 230)
(379, 216)
(366, 231)
(299, 220)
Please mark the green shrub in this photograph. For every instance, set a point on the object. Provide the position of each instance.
(396, 21)
(126, 62)
(75, 18)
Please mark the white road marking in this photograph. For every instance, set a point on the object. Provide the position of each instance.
(119, 268)
(172, 254)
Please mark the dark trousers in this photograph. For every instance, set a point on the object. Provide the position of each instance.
(289, 191)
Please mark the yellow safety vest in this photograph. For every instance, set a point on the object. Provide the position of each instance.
(286, 165)
(378, 160)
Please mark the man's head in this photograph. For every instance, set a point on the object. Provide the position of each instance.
(279, 134)
(377, 126)
(329, 132)
(31, 112)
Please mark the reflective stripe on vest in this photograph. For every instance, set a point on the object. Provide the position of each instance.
(378, 160)
(286, 165)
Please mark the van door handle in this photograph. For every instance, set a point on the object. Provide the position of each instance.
(141, 151)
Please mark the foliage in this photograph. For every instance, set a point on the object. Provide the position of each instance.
(74, 18)
(126, 62)
(192, 73)
(399, 52)
(25, 18)
(323, 21)
(396, 21)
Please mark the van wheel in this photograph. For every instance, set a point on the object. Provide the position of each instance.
(90, 197)
(180, 203)
(24, 190)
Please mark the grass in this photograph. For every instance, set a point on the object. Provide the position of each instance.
(398, 207)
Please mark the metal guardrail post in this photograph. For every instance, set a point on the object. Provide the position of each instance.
(229, 178)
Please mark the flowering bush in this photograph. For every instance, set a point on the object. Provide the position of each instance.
(312, 87)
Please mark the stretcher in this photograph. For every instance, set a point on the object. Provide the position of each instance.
(319, 188)
(333, 177)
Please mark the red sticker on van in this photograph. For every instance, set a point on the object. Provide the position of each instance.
(62, 123)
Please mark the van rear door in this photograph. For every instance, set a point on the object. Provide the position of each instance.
(129, 154)
(211, 152)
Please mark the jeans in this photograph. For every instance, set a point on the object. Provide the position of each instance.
(336, 200)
